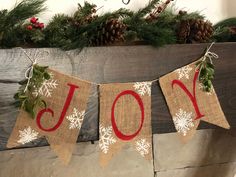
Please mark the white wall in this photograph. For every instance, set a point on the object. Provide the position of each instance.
(214, 10)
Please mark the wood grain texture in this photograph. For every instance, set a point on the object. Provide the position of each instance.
(117, 64)
(43, 162)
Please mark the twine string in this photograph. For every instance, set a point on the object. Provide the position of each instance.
(208, 55)
(29, 71)
(34, 60)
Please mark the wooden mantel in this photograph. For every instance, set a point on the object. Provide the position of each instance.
(117, 64)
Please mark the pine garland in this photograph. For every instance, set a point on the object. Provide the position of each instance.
(225, 31)
(152, 24)
(12, 21)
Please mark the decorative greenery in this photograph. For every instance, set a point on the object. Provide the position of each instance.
(154, 32)
(225, 31)
(27, 97)
(152, 25)
(226, 23)
(11, 21)
(206, 72)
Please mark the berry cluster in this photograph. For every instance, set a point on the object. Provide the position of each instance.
(34, 24)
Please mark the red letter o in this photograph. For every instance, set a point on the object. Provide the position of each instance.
(118, 133)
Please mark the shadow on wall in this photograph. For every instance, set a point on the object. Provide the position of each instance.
(231, 8)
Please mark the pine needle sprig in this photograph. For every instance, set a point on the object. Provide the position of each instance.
(156, 33)
(226, 23)
(183, 15)
(144, 11)
(59, 31)
(24, 10)
(87, 32)
(83, 12)
(206, 70)
(26, 98)
(11, 21)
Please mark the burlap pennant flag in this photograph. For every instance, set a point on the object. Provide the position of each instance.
(125, 119)
(61, 121)
(189, 103)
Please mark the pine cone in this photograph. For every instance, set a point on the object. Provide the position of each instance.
(109, 32)
(194, 31)
(183, 31)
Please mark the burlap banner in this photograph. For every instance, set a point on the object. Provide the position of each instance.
(125, 112)
(188, 103)
(125, 119)
(61, 121)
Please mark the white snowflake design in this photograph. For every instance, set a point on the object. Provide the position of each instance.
(143, 147)
(183, 121)
(184, 72)
(27, 135)
(105, 139)
(76, 119)
(143, 88)
(212, 91)
(47, 87)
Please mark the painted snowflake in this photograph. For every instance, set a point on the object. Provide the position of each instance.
(105, 139)
(27, 135)
(143, 88)
(47, 87)
(143, 147)
(76, 119)
(183, 121)
(212, 91)
(184, 72)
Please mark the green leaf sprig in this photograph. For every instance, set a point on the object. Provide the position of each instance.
(206, 69)
(28, 98)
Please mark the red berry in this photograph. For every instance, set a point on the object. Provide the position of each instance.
(41, 25)
(36, 25)
(33, 20)
(29, 27)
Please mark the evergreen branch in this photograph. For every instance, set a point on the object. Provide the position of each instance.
(226, 23)
(85, 33)
(142, 12)
(206, 69)
(58, 31)
(206, 74)
(12, 21)
(137, 18)
(189, 16)
(122, 13)
(155, 34)
(24, 10)
(85, 28)
(225, 30)
(84, 11)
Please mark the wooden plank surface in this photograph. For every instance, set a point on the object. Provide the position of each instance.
(211, 153)
(117, 64)
(43, 162)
